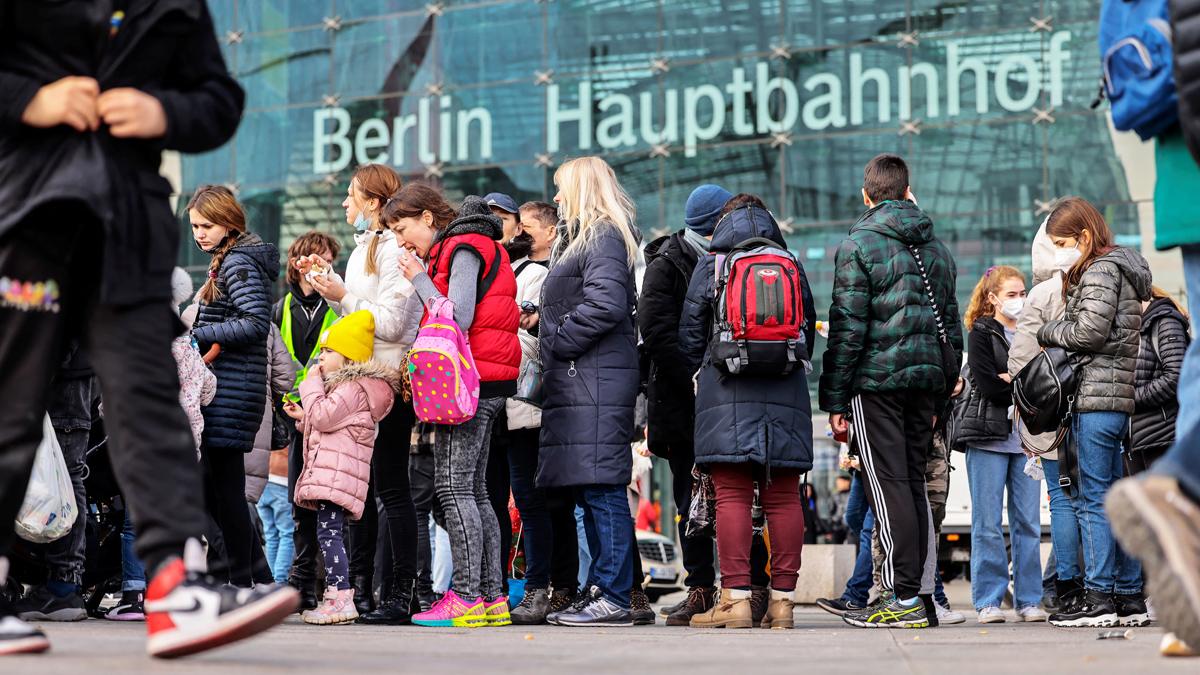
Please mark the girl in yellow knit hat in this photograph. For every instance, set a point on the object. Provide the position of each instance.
(341, 401)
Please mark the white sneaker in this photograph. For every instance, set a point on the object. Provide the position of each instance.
(991, 615)
(1032, 614)
(16, 636)
(947, 616)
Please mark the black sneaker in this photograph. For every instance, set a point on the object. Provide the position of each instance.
(668, 610)
(639, 607)
(1131, 610)
(839, 606)
(16, 636)
(598, 611)
(131, 608)
(581, 600)
(888, 612)
(561, 599)
(42, 605)
(533, 608)
(1095, 610)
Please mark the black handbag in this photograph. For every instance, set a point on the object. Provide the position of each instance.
(952, 430)
(1044, 391)
(950, 361)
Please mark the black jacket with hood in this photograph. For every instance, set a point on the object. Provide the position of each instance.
(239, 320)
(1101, 330)
(670, 394)
(165, 48)
(1164, 341)
(741, 418)
(986, 418)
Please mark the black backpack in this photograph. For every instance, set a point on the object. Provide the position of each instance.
(1044, 391)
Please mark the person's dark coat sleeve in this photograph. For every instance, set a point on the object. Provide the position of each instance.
(658, 318)
(1172, 345)
(203, 103)
(985, 372)
(1099, 296)
(849, 316)
(694, 320)
(605, 289)
(19, 89)
(248, 297)
(810, 313)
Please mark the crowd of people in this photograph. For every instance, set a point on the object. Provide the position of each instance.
(475, 351)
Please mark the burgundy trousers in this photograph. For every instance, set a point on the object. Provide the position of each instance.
(780, 498)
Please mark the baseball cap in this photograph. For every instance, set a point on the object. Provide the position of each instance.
(501, 201)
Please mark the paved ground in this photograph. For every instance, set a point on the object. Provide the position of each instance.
(821, 643)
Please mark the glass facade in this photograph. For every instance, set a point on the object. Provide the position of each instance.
(988, 100)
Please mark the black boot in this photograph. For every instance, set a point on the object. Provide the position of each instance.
(308, 597)
(1069, 592)
(364, 594)
(395, 609)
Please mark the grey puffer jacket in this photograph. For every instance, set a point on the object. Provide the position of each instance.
(1104, 316)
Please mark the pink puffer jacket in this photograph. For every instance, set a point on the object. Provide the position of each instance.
(340, 414)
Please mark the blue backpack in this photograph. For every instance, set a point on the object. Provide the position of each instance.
(1135, 56)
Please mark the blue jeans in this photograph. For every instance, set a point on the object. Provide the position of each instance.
(133, 575)
(1064, 526)
(856, 506)
(990, 475)
(585, 553)
(858, 588)
(609, 528)
(1099, 437)
(1182, 461)
(275, 511)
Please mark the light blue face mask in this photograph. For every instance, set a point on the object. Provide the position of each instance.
(361, 223)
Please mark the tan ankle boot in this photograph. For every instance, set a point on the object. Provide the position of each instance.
(726, 613)
(779, 613)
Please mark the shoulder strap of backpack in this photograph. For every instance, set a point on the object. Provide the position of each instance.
(521, 267)
(756, 242)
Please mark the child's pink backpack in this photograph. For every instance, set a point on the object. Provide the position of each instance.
(445, 383)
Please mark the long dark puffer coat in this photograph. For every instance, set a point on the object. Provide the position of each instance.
(986, 418)
(588, 347)
(740, 419)
(240, 321)
(1104, 315)
(165, 48)
(1156, 404)
(670, 394)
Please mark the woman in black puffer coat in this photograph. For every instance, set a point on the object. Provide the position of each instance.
(235, 313)
(588, 346)
(1160, 360)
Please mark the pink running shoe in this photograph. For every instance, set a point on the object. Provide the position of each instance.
(497, 613)
(452, 610)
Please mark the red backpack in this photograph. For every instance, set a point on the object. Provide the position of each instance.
(759, 310)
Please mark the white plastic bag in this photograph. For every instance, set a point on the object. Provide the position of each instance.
(49, 509)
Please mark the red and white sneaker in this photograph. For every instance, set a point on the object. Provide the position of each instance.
(17, 636)
(188, 612)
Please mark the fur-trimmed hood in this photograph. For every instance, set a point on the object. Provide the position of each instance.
(376, 378)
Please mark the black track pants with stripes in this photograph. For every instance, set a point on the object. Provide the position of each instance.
(893, 432)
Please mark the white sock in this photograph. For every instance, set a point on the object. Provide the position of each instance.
(739, 594)
(783, 595)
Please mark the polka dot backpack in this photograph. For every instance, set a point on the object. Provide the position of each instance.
(445, 382)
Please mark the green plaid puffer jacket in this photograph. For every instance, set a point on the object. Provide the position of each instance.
(882, 332)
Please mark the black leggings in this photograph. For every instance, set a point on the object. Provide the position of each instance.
(499, 488)
(225, 495)
(389, 477)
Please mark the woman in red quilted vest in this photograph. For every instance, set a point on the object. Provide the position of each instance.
(467, 265)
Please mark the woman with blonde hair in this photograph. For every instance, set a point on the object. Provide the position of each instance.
(235, 313)
(995, 460)
(374, 283)
(588, 346)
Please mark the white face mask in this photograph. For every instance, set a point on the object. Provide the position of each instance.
(1012, 307)
(1065, 258)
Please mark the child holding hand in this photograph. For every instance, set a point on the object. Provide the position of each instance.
(341, 403)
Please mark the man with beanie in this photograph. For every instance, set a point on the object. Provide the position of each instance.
(670, 395)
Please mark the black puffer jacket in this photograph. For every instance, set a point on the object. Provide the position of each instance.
(986, 417)
(588, 346)
(1104, 315)
(1156, 404)
(239, 320)
(670, 394)
(1185, 41)
(741, 418)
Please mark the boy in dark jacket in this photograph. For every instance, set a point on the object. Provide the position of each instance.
(92, 97)
(670, 394)
(883, 372)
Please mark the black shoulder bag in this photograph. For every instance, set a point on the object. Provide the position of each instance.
(950, 362)
(1044, 393)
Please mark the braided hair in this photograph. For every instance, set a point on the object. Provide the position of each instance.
(217, 205)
